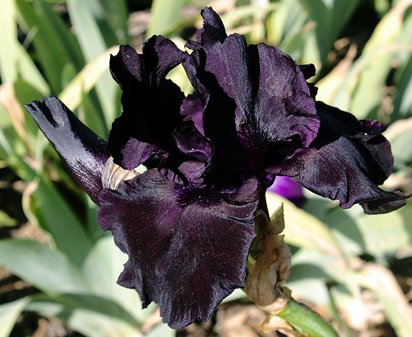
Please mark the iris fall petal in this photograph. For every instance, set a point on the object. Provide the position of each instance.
(80, 148)
(346, 162)
(185, 252)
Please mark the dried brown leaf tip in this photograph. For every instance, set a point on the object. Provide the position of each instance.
(269, 263)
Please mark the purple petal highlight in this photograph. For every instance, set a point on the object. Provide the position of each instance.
(289, 189)
(83, 152)
(191, 142)
(193, 109)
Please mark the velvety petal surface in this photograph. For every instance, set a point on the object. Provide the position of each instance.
(81, 149)
(346, 162)
(283, 106)
(266, 99)
(151, 104)
(187, 249)
(229, 157)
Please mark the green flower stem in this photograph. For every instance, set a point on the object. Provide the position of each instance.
(306, 321)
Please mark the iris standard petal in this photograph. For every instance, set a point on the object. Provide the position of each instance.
(283, 106)
(81, 149)
(159, 56)
(213, 29)
(268, 100)
(151, 104)
(192, 108)
(126, 150)
(345, 162)
(219, 126)
(187, 251)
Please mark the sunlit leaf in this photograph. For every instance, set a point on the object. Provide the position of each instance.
(102, 268)
(330, 17)
(6, 220)
(164, 15)
(403, 95)
(9, 314)
(91, 37)
(288, 27)
(49, 30)
(401, 149)
(58, 219)
(86, 79)
(112, 20)
(376, 58)
(47, 269)
(162, 330)
(359, 233)
(90, 315)
(386, 233)
(8, 37)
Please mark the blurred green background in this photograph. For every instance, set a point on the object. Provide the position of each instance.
(58, 270)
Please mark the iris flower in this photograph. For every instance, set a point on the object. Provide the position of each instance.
(187, 222)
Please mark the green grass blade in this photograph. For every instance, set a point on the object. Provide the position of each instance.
(14, 61)
(62, 32)
(165, 15)
(9, 313)
(29, 72)
(403, 98)
(91, 315)
(370, 88)
(74, 93)
(111, 17)
(8, 37)
(36, 19)
(90, 302)
(330, 17)
(93, 44)
(59, 220)
(102, 268)
(87, 30)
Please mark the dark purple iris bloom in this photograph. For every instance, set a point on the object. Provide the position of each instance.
(187, 222)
